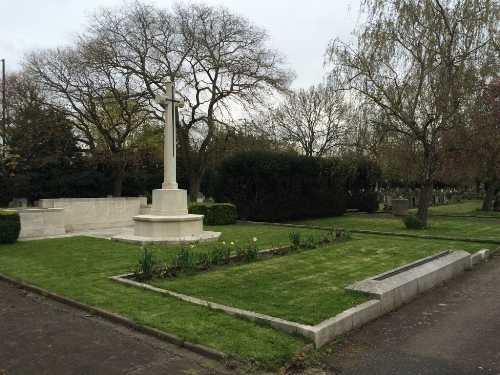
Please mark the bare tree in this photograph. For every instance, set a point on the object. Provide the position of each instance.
(419, 63)
(312, 120)
(102, 102)
(218, 61)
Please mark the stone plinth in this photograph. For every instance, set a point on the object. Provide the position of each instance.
(400, 207)
(168, 222)
(168, 226)
(169, 202)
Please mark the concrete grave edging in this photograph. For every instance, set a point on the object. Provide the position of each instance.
(388, 294)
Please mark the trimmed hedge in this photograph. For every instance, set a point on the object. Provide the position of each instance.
(215, 213)
(274, 187)
(10, 226)
(362, 176)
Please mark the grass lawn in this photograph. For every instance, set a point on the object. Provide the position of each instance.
(308, 287)
(453, 228)
(465, 207)
(79, 267)
(294, 287)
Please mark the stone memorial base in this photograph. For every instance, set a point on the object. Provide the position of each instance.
(168, 222)
(205, 236)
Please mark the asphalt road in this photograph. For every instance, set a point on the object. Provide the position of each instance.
(40, 336)
(454, 329)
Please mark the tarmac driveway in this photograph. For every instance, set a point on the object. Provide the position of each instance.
(40, 336)
(453, 329)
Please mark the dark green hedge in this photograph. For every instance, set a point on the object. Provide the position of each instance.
(10, 226)
(215, 213)
(361, 178)
(267, 186)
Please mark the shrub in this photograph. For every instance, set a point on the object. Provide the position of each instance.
(413, 222)
(362, 175)
(215, 213)
(10, 226)
(277, 187)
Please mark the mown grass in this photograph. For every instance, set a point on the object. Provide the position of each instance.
(464, 207)
(295, 287)
(79, 268)
(308, 287)
(453, 228)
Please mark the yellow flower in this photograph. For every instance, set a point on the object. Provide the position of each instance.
(191, 246)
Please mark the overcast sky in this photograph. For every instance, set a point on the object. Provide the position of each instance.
(301, 29)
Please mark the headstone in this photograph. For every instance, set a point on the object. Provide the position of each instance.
(400, 207)
(444, 199)
(416, 200)
(18, 202)
(388, 202)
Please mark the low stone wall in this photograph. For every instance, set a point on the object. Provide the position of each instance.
(57, 216)
(41, 223)
(388, 290)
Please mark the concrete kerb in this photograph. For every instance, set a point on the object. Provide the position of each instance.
(118, 319)
(388, 294)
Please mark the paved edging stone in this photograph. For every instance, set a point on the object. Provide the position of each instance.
(118, 319)
(402, 285)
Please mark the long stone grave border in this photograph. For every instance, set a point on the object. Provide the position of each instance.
(389, 290)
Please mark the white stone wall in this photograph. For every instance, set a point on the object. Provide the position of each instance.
(41, 222)
(96, 213)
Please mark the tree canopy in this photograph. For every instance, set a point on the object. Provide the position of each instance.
(217, 59)
(419, 64)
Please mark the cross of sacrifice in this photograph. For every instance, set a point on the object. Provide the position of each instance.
(169, 103)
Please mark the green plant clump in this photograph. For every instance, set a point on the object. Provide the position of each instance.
(345, 235)
(215, 213)
(311, 241)
(10, 226)
(294, 236)
(413, 222)
(186, 260)
(248, 253)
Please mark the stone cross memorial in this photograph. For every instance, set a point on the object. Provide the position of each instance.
(169, 152)
(169, 221)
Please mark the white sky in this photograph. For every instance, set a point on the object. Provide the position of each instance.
(300, 29)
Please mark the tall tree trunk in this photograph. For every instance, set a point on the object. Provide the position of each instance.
(194, 173)
(194, 186)
(117, 189)
(423, 203)
(489, 196)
